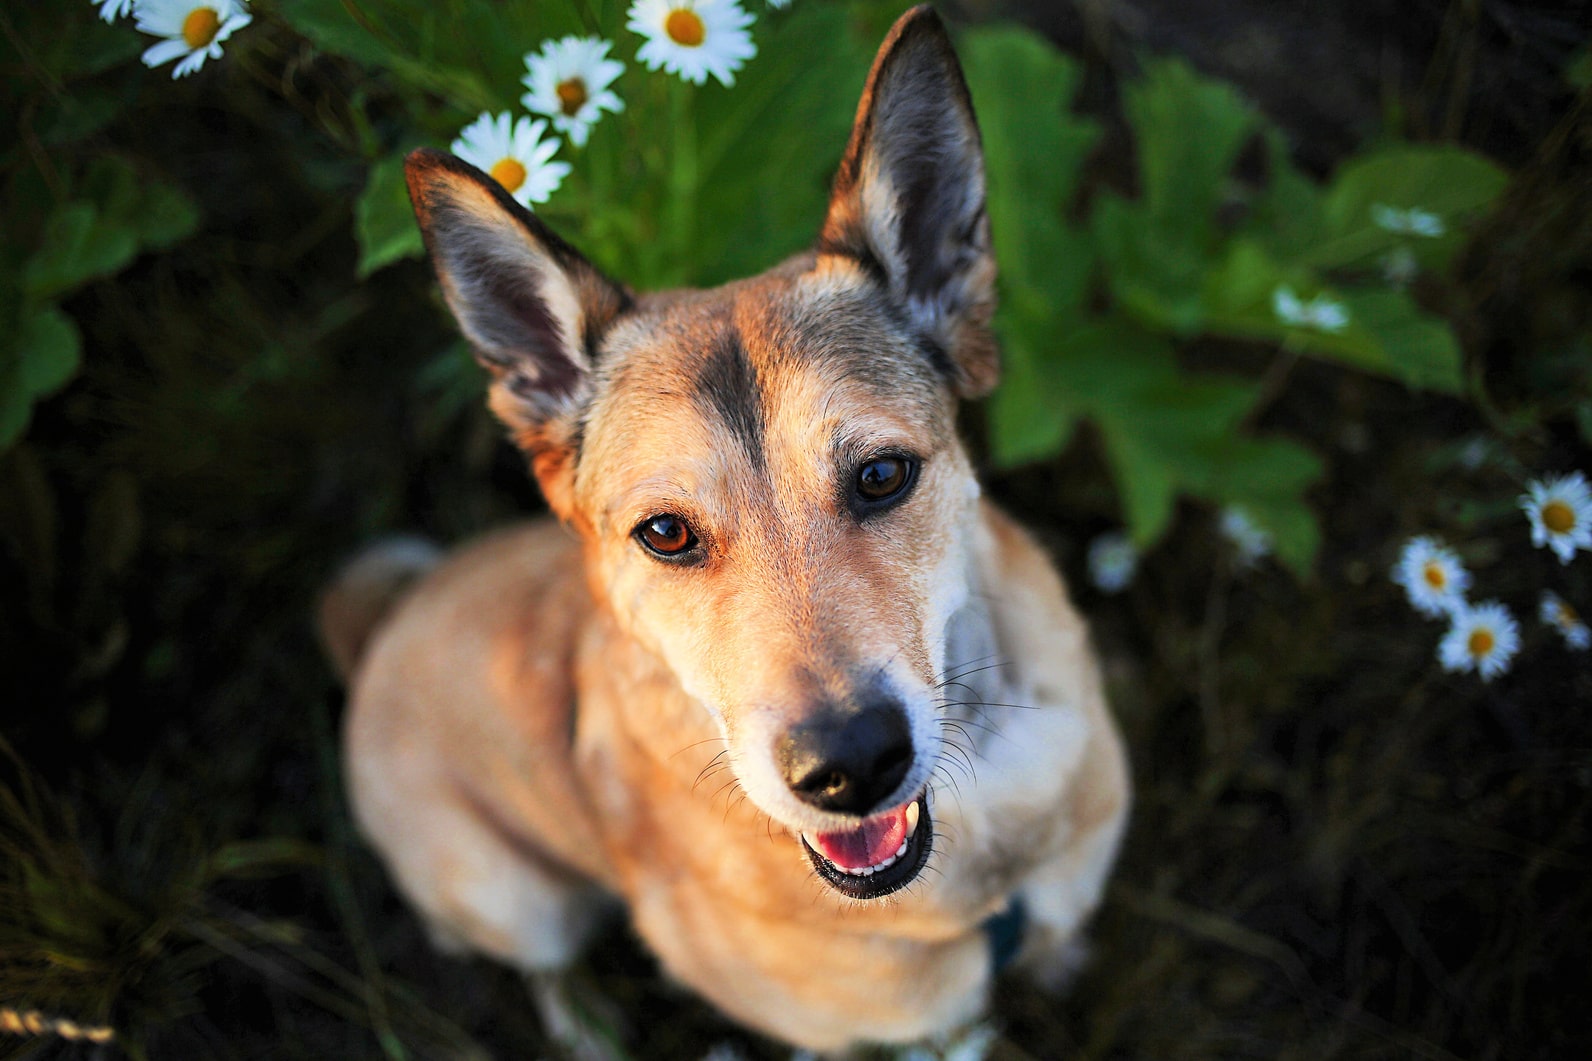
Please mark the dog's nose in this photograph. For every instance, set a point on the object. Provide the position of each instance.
(847, 762)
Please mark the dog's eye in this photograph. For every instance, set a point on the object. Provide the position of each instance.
(883, 478)
(666, 536)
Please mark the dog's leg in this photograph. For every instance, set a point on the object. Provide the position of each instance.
(1058, 897)
(480, 888)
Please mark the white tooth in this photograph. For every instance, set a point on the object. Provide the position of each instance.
(899, 851)
(887, 863)
(912, 819)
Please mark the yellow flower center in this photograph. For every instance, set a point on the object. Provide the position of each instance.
(1558, 517)
(571, 95)
(200, 27)
(1566, 615)
(509, 173)
(1435, 576)
(685, 27)
(1481, 642)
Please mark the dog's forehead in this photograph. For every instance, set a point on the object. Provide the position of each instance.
(791, 369)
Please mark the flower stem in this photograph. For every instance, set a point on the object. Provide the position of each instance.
(683, 172)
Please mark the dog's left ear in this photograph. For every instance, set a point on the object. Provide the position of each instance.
(908, 201)
(533, 309)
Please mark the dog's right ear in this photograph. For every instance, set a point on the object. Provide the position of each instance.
(532, 308)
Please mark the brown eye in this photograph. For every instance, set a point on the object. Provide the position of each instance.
(666, 536)
(883, 478)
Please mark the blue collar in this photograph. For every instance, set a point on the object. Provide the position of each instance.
(1004, 933)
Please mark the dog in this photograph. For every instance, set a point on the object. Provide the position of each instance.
(776, 675)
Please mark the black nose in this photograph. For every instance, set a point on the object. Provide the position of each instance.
(847, 761)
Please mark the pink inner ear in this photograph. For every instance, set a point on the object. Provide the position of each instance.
(868, 844)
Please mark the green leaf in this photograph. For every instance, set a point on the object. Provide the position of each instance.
(49, 351)
(767, 149)
(1447, 185)
(466, 53)
(1033, 157)
(384, 221)
(1384, 332)
(116, 212)
(1285, 218)
(1167, 432)
(77, 247)
(1188, 130)
(1155, 275)
(158, 213)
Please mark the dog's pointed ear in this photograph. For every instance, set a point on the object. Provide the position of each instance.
(908, 200)
(532, 307)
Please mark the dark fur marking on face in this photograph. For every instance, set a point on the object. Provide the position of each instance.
(726, 386)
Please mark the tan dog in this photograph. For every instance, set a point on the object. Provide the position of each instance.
(781, 583)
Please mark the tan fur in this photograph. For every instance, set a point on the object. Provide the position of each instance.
(554, 716)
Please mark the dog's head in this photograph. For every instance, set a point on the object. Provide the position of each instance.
(767, 475)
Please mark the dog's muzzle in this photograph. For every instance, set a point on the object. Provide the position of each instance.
(849, 762)
(882, 855)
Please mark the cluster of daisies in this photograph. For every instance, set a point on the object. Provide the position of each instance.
(568, 84)
(1485, 637)
(189, 32)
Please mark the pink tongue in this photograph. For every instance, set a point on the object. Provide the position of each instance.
(869, 843)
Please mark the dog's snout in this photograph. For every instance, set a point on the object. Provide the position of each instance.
(847, 762)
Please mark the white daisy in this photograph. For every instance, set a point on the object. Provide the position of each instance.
(1411, 222)
(1113, 561)
(568, 82)
(194, 30)
(1484, 639)
(1560, 511)
(111, 10)
(1432, 576)
(1557, 613)
(1320, 313)
(514, 154)
(693, 38)
(1251, 542)
(779, 4)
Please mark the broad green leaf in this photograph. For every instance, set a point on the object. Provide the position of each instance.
(158, 213)
(469, 54)
(48, 350)
(1155, 275)
(1167, 432)
(77, 247)
(1189, 130)
(1286, 216)
(1034, 149)
(1384, 332)
(117, 212)
(1418, 348)
(384, 222)
(165, 215)
(1373, 196)
(36, 360)
(765, 150)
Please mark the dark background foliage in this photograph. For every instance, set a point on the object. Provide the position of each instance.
(1338, 849)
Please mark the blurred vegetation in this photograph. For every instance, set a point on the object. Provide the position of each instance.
(223, 366)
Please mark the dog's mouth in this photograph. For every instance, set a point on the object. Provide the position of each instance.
(882, 855)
